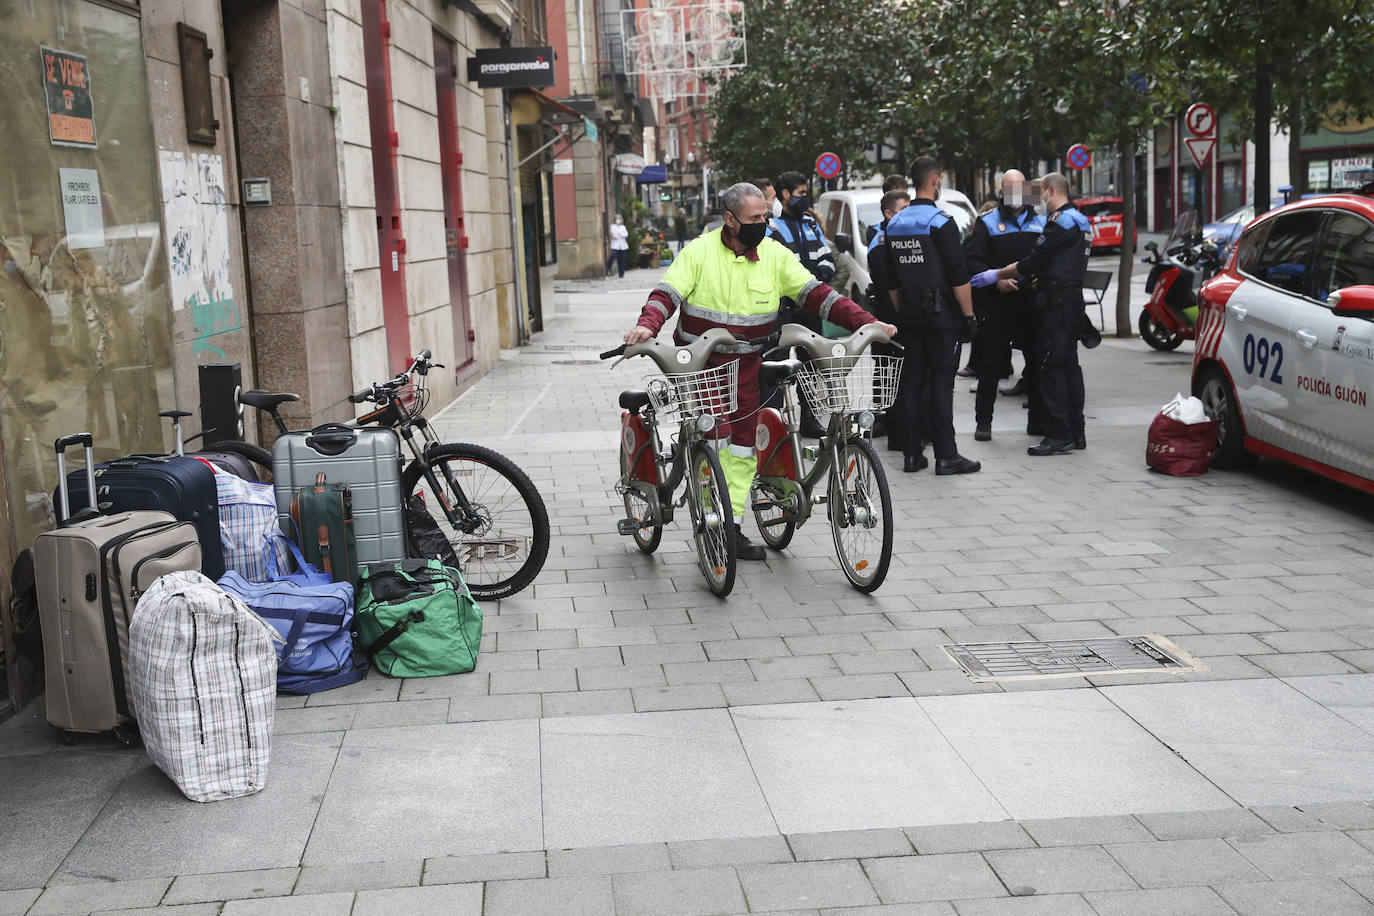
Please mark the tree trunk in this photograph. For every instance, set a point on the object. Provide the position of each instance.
(1264, 80)
(1126, 171)
(1297, 175)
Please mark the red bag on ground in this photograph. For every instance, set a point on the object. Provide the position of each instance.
(1181, 449)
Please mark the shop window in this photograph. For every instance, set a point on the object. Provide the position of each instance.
(85, 341)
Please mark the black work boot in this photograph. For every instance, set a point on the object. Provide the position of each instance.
(746, 549)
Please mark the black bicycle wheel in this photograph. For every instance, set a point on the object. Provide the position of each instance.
(647, 537)
(861, 515)
(771, 518)
(254, 453)
(508, 548)
(713, 520)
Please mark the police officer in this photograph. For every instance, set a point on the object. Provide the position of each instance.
(1055, 265)
(925, 265)
(880, 303)
(1003, 235)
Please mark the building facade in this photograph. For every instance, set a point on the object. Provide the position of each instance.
(303, 191)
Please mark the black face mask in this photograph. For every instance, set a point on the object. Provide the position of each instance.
(800, 205)
(750, 234)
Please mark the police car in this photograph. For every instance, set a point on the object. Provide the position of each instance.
(1285, 340)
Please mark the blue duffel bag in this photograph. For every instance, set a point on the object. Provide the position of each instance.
(314, 615)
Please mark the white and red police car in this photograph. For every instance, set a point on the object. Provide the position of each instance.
(1285, 340)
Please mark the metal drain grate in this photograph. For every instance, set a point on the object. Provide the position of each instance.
(1069, 657)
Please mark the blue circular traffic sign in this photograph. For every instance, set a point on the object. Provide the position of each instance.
(1080, 157)
(828, 165)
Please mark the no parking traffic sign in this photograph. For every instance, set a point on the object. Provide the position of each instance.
(1080, 157)
(827, 165)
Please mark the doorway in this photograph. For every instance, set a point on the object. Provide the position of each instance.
(450, 165)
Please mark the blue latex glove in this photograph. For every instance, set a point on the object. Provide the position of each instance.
(983, 278)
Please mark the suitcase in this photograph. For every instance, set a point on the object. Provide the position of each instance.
(368, 462)
(182, 486)
(90, 574)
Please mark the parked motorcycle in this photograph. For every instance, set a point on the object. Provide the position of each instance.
(1176, 276)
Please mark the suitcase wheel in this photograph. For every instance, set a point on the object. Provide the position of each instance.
(124, 737)
(68, 738)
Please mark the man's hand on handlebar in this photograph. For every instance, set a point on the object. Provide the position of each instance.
(889, 329)
(638, 334)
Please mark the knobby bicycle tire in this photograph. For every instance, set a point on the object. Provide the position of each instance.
(254, 453)
(484, 582)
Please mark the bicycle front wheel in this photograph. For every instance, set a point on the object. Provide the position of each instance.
(861, 515)
(510, 542)
(713, 520)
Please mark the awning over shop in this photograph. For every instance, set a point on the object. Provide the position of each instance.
(653, 174)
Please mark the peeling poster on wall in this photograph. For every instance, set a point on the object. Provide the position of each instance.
(193, 203)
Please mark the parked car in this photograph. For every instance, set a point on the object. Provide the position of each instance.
(1222, 232)
(1104, 215)
(848, 216)
(1285, 340)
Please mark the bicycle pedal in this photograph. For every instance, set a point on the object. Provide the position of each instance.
(627, 526)
(809, 453)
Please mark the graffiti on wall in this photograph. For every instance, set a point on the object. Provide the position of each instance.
(194, 209)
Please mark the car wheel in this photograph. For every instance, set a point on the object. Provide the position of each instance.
(1218, 398)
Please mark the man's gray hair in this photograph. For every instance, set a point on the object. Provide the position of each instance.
(734, 195)
(1056, 181)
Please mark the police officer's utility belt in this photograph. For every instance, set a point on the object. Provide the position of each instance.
(931, 301)
(1059, 295)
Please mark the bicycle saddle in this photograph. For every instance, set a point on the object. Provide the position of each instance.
(796, 335)
(772, 373)
(634, 400)
(673, 358)
(266, 400)
(175, 414)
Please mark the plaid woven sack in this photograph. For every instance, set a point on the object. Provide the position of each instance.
(254, 546)
(203, 670)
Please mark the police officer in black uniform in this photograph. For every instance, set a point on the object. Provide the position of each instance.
(925, 263)
(1006, 310)
(1055, 266)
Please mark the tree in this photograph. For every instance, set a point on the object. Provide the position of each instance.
(820, 72)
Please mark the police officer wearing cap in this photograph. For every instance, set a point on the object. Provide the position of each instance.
(1006, 310)
(925, 266)
(1055, 265)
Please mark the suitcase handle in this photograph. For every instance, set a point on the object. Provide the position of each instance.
(331, 438)
(87, 441)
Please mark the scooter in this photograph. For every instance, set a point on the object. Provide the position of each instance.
(1176, 276)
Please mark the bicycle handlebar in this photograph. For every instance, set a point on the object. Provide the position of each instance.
(362, 395)
(612, 354)
(675, 359)
(796, 335)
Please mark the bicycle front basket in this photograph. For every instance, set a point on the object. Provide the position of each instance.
(848, 384)
(686, 395)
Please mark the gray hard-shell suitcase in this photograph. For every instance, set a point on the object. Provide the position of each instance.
(91, 572)
(368, 461)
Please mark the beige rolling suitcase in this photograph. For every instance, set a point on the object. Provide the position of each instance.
(91, 572)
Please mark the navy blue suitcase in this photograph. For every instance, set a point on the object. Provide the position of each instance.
(184, 487)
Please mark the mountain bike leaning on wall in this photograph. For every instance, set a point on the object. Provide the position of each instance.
(486, 507)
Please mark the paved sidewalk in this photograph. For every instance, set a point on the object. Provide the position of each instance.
(630, 744)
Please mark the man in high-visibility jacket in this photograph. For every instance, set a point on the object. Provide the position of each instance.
(733, 278)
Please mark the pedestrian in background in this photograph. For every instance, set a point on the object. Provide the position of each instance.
(1055, 265)
(680, 227)
(620, 245)
(770, 195)
(1003, 234)
(925, 265)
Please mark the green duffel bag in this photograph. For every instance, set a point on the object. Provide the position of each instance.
(416, 618)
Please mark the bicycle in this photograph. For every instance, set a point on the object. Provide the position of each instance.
(852, 386)
(494, 519)
(699, 399)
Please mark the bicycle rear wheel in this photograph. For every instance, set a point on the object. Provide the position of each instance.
(771, 518)
(713, 520)
(861, 515)
(508, 547)
(260, 456)
(647, 537)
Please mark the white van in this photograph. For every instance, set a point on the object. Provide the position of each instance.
(846, 217)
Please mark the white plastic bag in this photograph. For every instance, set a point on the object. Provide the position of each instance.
(1185, 410)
